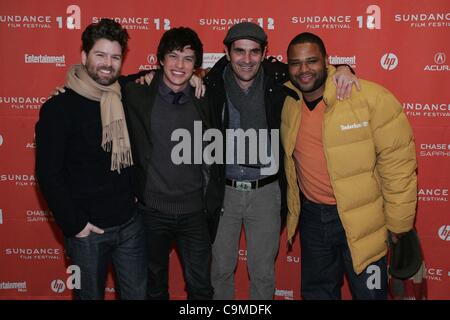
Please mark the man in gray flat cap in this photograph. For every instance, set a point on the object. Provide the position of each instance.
(247, 96)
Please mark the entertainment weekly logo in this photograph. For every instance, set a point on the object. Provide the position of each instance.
(34, 253)
(20, 103)
(426, 110)
(432, 150)
(225, 23)
(423, 19)
(20, 286)
(19, 180)
(350, 60)
(368, 20)
(58, 61)
(139, 23)
(432, 195)
(68, 20)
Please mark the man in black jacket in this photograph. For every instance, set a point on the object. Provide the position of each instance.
(246, 93)
(175, 198)
(83, 165)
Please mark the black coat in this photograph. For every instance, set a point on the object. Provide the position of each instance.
(275, 74)
(139, 101)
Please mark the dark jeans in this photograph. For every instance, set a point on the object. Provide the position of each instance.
(325, 257)
(125, 246)
(190, 233)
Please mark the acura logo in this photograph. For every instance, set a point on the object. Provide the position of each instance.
(151, 58)
(439, 58)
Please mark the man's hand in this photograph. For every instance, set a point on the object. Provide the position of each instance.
(396, 236)
(57, 91)
(343, 80)
(197, 83)
(147, 79)
(88, 229)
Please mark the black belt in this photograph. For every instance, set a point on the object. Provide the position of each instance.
(248, 185)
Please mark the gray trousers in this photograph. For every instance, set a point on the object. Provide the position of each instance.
(259, 211)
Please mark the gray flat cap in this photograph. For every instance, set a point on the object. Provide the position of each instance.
(246, 30)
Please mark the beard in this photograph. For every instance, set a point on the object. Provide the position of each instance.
(103, 79)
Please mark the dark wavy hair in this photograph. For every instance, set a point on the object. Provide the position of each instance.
(177, 39)
(104, 29)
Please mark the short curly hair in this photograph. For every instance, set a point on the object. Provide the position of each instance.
(177, 39)
(104, 29)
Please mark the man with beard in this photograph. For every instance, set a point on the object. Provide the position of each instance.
(83, 165)
(350, 167)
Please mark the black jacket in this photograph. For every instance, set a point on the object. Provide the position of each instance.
(275, 74)
(139, 101)
(73, 171)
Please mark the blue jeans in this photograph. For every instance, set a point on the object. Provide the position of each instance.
(190, 233)
(325, 258)
(125, 246)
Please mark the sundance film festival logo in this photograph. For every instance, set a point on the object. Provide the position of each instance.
(20, 180)
(430, 110)
(251, 145)
(70, 20)
(139, 23)
(435, 274)
(58, 61)
(26, 21)
(370, 20)
(72, 282)
(434, 150)
(424, 20)
(34, 253)
(389, 61)
(219, 24)
(444, 232)
(19, 286)
(22, 103)
(286, 294)
(433, 195)
(293, 259)
(439, 60)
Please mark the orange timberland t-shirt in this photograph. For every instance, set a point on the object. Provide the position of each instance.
(309, 157)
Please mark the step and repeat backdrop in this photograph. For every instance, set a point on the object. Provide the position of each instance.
(401, 44)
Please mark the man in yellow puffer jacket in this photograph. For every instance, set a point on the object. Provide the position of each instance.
(352, 163)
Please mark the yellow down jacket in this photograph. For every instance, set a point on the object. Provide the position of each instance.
(370, 153)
